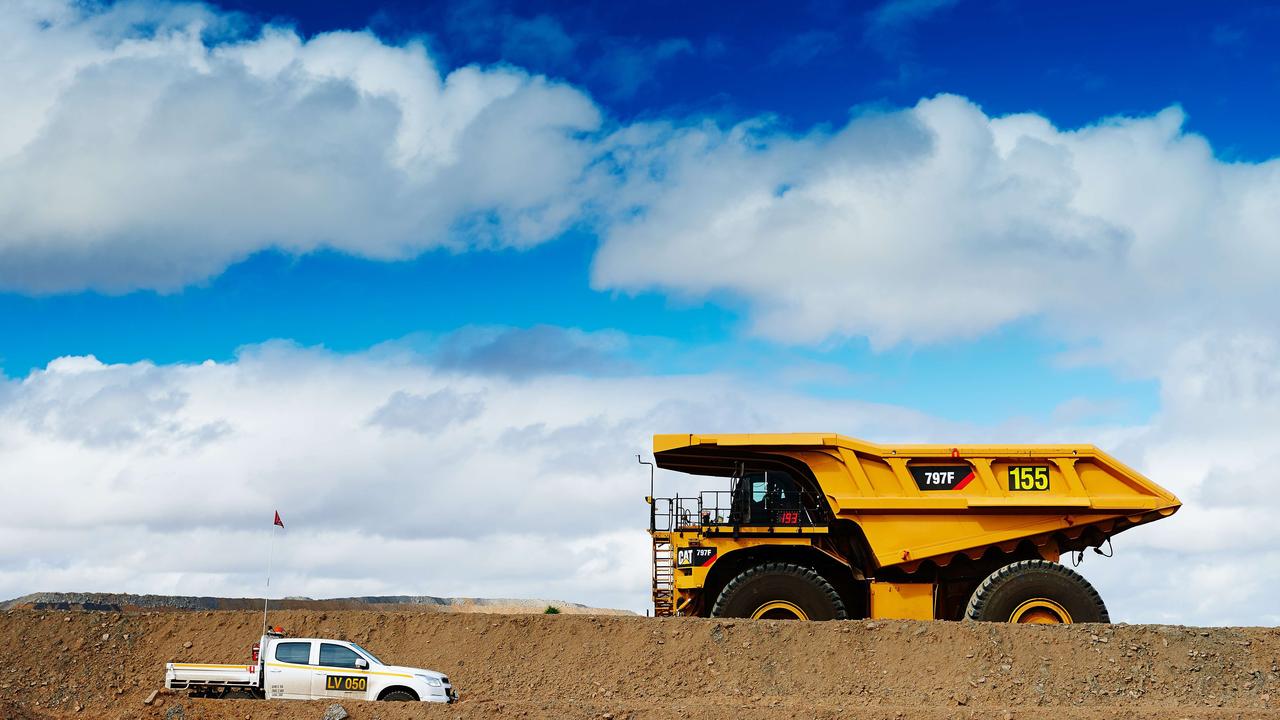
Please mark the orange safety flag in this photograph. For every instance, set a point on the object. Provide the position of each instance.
(278, 520)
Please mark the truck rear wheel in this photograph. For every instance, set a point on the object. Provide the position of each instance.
(1037, 592)
(779, 591)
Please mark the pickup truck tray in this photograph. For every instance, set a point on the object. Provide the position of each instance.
(179, 676)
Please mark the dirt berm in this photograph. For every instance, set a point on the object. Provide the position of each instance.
(534, 666)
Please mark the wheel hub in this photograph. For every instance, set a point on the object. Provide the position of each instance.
(779, 610)
(1040, 611)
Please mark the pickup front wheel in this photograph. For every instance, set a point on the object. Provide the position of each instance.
(398, 696)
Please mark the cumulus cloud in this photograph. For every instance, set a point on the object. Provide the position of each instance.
(427, 413)
(1212, 443)
(940, 222)
(416, 478)
(150, 145)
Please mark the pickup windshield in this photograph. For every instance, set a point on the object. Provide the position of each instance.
(368, 654)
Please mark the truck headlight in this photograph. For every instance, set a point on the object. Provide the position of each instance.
(433, 682)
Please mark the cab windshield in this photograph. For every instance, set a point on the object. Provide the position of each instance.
(768, 498)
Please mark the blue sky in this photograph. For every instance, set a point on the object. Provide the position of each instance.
(348, 304)
(810, 65)
(811, 62)
(296, 248)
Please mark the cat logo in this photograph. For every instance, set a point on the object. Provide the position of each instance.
(695, 556)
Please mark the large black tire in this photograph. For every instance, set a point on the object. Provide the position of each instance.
(399, 696)
(802, 587)
(1005, 590)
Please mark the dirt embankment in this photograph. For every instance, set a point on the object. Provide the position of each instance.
(534, 666)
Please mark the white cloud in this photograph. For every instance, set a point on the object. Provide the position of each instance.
(938, 223)
(150, 145)
(393, 475)
(396, 475)
(1212, 443)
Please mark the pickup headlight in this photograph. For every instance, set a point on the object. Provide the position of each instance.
(433, 682)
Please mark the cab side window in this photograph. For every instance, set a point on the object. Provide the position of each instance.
(298, 653)
(337, 656)
(784, 493)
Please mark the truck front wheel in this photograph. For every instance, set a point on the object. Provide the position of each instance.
(1038, 592)
(398, 696)
(779, 591)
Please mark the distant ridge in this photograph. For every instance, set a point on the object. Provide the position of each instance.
(126, 601)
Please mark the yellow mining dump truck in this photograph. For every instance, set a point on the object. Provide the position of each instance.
(822, 527)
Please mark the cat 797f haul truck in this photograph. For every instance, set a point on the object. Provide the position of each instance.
(820, 527)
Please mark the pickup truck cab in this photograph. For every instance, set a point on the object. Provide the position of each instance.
(310, 669)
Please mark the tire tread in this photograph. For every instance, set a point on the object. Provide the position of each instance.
(785, 568)
(980, 597)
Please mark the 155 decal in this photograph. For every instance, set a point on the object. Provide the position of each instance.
(1028, 478)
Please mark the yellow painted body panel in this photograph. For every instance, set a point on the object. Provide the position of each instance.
(1074, 488)
(902, 601)
(696, 576)
(689, 581)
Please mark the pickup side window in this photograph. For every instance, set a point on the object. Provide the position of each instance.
(298, 653)
(337, 656)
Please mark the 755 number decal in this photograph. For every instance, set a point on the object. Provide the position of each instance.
(1029, 477)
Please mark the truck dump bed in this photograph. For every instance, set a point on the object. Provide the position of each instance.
(934, 502)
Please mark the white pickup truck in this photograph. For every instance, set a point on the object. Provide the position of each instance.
(310, 669)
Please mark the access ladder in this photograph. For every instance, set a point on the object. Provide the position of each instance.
(664, 575)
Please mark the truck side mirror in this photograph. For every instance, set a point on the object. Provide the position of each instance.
(362, 664)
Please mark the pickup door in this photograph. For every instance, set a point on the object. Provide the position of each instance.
(289, 670)
(338, 674)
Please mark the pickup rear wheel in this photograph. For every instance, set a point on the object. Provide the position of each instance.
(398, 696)
(779, 591)
(1036, 592)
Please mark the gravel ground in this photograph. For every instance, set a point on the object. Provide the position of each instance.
(105, 664)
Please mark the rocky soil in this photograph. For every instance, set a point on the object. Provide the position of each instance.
(106, 664)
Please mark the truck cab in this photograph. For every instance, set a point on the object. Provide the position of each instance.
(311, 669)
